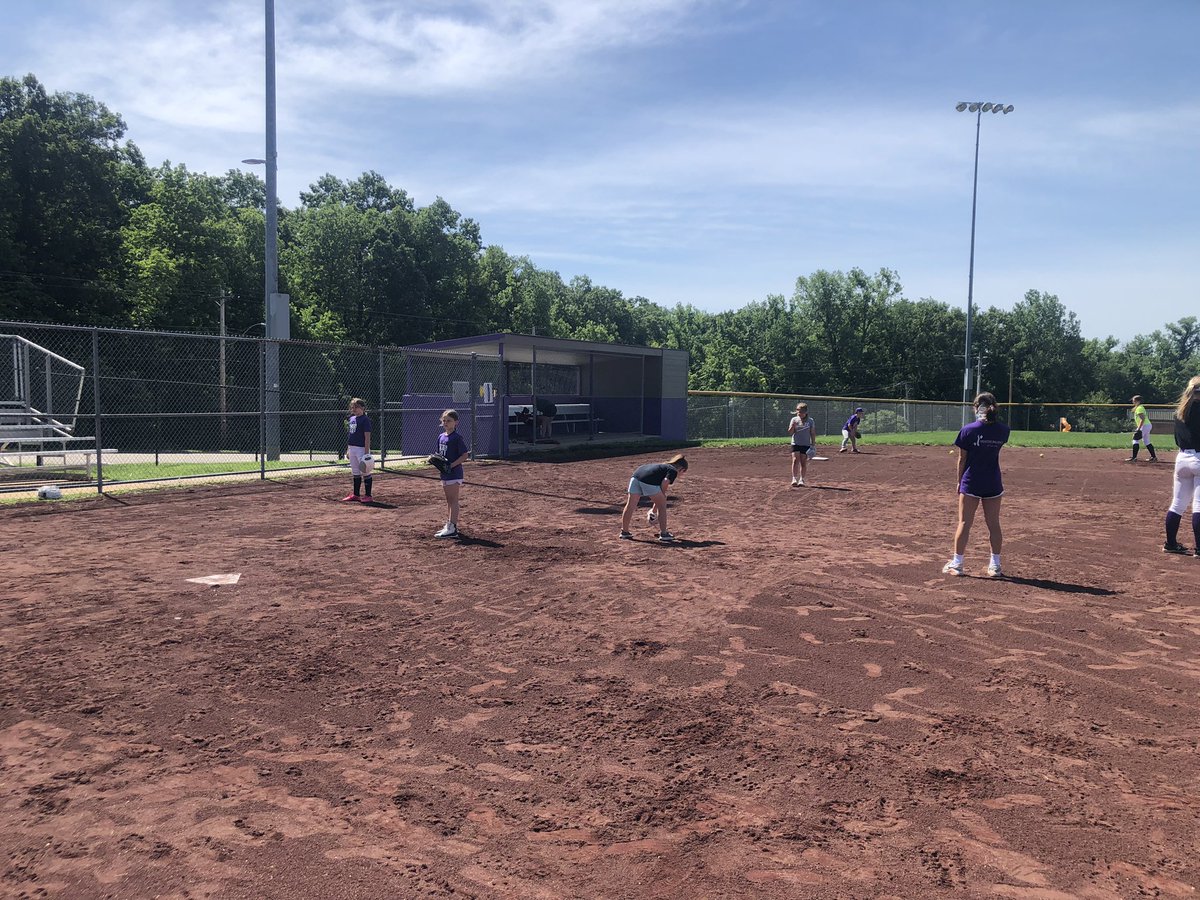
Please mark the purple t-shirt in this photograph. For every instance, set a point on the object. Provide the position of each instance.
(852, 422)
(982, 441)
(451, 447)
(357, 428)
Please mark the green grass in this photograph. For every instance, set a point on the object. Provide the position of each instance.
(139, 470)
(1036, 439)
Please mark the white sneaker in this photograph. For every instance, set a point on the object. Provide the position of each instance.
(952, 568)
(796, 481)
(994, 571)
(799, 482)
(448, 531)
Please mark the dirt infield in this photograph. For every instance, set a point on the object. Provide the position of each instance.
(791, 702)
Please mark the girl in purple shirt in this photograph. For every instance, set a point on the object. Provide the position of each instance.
(454, 450)
(979, 481)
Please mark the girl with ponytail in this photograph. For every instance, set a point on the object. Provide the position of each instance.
(979, 481)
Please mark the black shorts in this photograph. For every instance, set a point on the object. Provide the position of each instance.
(800, 448)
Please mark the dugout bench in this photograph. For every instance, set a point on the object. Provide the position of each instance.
(569, 415)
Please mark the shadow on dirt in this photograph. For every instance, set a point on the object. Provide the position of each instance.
(1064, 586)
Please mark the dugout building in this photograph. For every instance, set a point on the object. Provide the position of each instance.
(503, 384)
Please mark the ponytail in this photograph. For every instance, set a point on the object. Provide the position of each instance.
(678, 462)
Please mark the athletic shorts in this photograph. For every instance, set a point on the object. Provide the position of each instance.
(980, 497)
(801, 448)
(454, 481)
(641, 489)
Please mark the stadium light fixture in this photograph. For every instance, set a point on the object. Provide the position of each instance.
(979, 108)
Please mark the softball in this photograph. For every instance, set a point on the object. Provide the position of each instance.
(1041, 454)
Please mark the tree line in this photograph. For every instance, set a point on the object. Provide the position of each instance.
(90, 233)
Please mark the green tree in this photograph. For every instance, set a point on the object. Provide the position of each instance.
(67, 185)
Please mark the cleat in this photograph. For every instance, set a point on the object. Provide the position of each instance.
(626, 535)
(994, 571)
(799, 482)
(666, 537)
(350, 498)
(367, 499)
(951, 569)
(1174, 548)
(448, 531)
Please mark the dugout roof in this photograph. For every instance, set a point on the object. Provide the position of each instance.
(520, 348)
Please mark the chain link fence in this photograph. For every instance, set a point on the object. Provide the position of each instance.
(717, 415)
(714, 415)
(94, 406)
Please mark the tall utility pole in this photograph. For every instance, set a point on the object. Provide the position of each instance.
(1010, 382)
(979, 374)
(979, 108)
(276, 305)
(221, 377)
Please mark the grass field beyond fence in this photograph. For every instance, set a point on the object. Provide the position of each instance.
(1079, 440)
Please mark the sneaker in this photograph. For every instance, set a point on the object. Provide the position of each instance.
(952, 568)
(626, 535)
(1174, 548)
(666, 537)
(796, 482)
(350, 498)
(367, 499)
(448, 531)
(799, 482)
(994, 571)
(843, 450)
(853, 451)
(1130, 459)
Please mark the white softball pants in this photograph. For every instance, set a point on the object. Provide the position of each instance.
(1187, 482)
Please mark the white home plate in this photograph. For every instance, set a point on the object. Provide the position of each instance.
(821, 458)
(214, 580)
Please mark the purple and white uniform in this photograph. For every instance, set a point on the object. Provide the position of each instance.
(450, 447)
(357, 429)
(982, 441)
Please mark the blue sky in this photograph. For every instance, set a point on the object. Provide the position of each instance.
(703, 151)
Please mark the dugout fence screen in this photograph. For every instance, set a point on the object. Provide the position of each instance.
(83, 406)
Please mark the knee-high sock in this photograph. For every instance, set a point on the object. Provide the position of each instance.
(357, 485)
(1136, 448)
(367, 482)
(1173, 520)
(1196, 529)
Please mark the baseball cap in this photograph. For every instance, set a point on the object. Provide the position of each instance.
(858, 409)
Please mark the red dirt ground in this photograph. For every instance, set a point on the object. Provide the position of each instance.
(792, 702)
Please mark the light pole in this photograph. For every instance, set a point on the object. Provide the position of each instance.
(275, 305)
(979, 108)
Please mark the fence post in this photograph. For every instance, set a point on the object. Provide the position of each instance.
(262, 411)
(382, 406)
(474, 398)
(96, 405)
(729, 417)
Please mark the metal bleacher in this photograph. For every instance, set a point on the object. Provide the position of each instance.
(40, 394)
